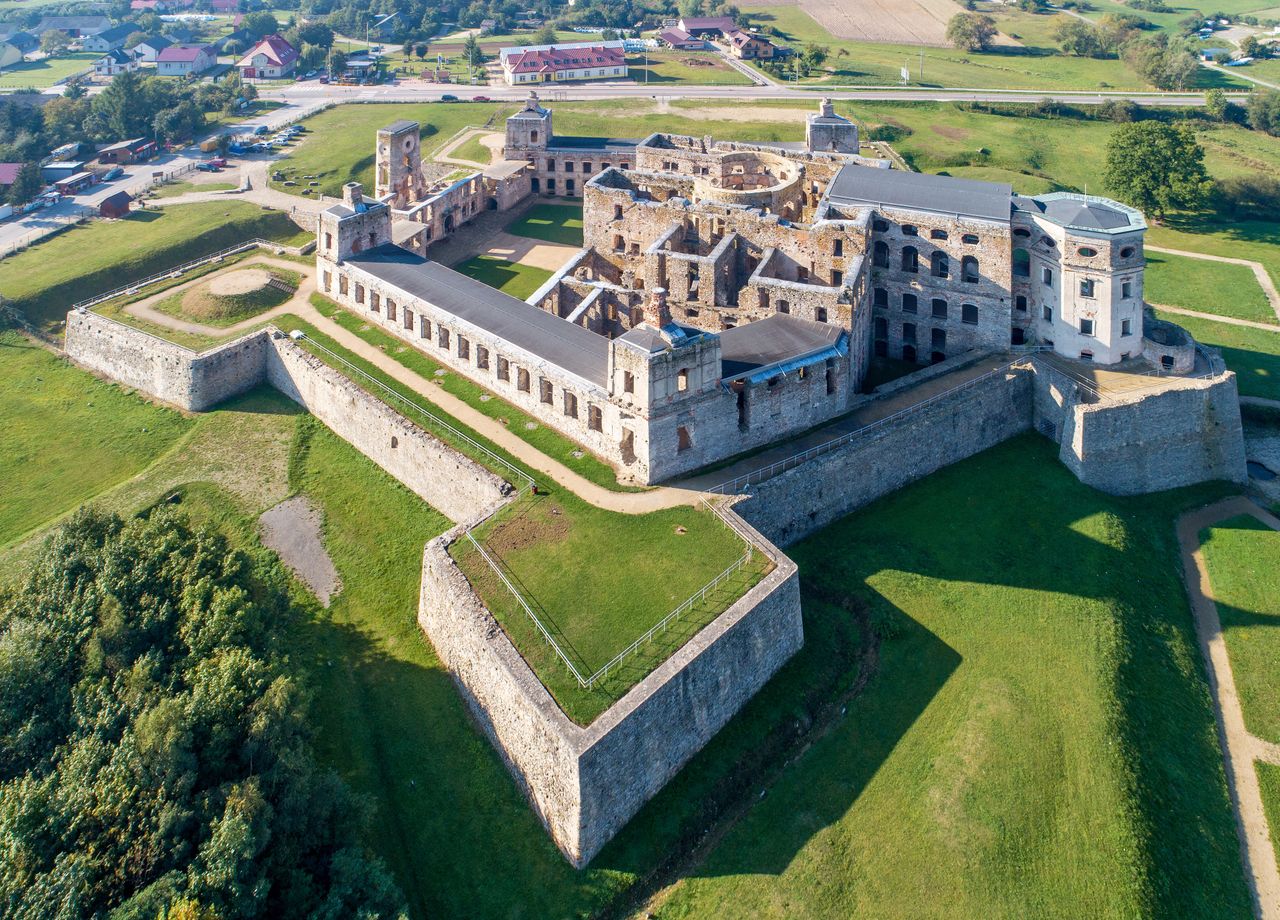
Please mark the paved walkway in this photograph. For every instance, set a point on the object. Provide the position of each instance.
(257, 189)
(145, 308)
(1239, 747)
(1259, 271)
(446, 153)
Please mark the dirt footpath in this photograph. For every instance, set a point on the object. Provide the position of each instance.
(292, 528)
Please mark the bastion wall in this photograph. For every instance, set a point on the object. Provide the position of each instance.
(585, 783)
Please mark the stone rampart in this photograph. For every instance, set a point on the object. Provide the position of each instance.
(456, 486)
(586, 783)
(161, 369)
(806, 498)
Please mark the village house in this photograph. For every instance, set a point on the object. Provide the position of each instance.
(149, 48)
(115, 62)
(184, 60)
(109, 40)
(560, 63)
(270, 59)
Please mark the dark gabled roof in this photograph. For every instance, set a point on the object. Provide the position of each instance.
(773, 340)
(897, 188)
(401, 124)
(155, 42)
(556, 341)
(574, 142)
(120, 32)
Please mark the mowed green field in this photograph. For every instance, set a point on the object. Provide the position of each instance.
(1208, 287)
(45, 280)
(1269, 785)
(509, 277)
(1037, 740)
(68, 435)
(554, 223)
(44, 73)
(689, 67)
(1036, 65)
(1243, 557)
(1254, 354)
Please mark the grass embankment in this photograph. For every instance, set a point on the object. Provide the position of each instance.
(704, 68)
(1254, 354)
(1038, 738)
(200, 304)
(1243, 557)
(552, 223)
(45, 280)
(518, 422)
(1207, 287)
(338, 147)
(554, 557)
(512, 278)
(67, 435)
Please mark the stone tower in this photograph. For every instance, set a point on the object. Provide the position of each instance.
(357, 224)
(399, 164)
(529, 130)
(827, 132)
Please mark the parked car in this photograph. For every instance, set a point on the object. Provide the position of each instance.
(480, 99)
(207, 167)
(448, 97)
(219, 162)
(324, 79)
(260, 130)
(112, 174)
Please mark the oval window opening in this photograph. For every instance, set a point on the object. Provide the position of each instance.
(1087, 252)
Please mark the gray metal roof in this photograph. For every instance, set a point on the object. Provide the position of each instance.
(573, 348)
(773, 340)
(1083, 212)
(399, 125)
(896, 188)
(574, 142)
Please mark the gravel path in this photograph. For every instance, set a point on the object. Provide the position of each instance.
(1239, 747)
(293, 529)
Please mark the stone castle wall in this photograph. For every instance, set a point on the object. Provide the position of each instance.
(453, 484)
(586, 783)
(161, 369)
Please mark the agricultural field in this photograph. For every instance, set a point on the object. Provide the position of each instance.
(45, 73)
(1034, 64)
(46, 279)
(689, 67)
(913, 22)
(1243, 558)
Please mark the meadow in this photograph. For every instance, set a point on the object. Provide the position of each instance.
(1243, 557)
(687, 67)
(1208, 287)
(44, 73)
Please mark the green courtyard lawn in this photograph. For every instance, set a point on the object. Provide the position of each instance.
(46, 279)
(1243, 557)
(1038, 65)
(1037, 739)
(523, 425)
(68, 435)
(509, 277)
(554, 223)
(1208, 287)
(688, 67)
(1254, 354)
(474, 151)
(338, 147)
(45, 73)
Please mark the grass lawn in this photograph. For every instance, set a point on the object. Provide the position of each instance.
(46, 279)
(338, 147)
(1254, 354)
(523, 425)
(1038, 65)
(555, 223)
(509, 277)
(68, 435)
(474, 151)
(201, 305)
(1269, 783)
(690, 67)
(1209, 287)
(549, 547)
(45, 73)
(174, 189)
(1243, 556)
(1037, 739)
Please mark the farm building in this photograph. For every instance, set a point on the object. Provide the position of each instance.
(8, 174)
(137, 150)
(680, 40)
(708, 26)
(9, 55)
(23, 41)
(74, 26)
(116, 205)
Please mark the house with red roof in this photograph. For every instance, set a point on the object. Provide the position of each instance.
(8, 174)
(270, 59)
(561, 63)
(184, 60)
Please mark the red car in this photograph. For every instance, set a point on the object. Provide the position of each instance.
(480, 99)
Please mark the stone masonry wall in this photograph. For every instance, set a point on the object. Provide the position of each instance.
(453, 484)
(798, 502)
(161, 369)
(586, 783)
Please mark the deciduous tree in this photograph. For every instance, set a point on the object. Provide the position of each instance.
(1156, 167)
(971, 31)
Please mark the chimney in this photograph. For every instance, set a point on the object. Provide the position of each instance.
(826, 108)
(656, 313)
(353, 196)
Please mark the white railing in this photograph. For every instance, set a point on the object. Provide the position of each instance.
(768, 472)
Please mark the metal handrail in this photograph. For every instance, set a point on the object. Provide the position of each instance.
(773, 469)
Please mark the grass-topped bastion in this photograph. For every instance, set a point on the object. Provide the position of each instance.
(231, 296)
